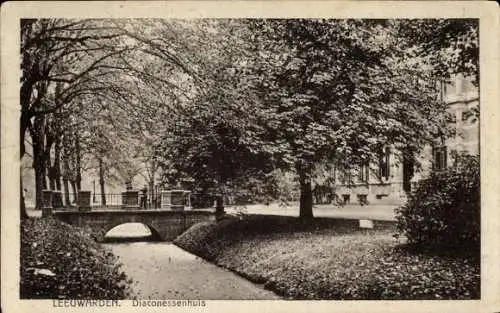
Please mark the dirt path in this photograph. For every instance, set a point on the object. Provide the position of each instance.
(373, 212)
(164, 271)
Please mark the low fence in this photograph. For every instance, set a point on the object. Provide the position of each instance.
(141, 199)
(71, 199)
(108, 199)
(88, 200)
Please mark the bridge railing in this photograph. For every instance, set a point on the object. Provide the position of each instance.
(126, 200)
(106, 200)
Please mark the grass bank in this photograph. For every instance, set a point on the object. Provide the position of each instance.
(60, 261)
(330, 259)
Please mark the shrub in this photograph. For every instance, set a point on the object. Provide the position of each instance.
(61, 261)
(444, 210)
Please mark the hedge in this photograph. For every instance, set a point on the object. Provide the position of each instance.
(444, 211)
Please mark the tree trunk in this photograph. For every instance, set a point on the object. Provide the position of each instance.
(151, 193)
(40, 182)
(23, 213)
(44, 178)
(78, 162)
(49, 141)
(101, 182)
(57, 164)
(75, 191)
(66, 155)
(25, 125)
(37, 138)
(67, 200)
(25, 99)
(52, 178)
(306, 196)
(152, 178)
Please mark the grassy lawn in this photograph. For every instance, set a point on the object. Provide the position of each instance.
(331, 259)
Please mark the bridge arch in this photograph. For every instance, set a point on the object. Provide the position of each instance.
(168, 224)
(154, 234)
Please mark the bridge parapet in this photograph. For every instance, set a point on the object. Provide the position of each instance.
(167, 224)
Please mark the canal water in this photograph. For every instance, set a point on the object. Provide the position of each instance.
(161, 270)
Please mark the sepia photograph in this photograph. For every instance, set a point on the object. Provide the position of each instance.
(173, 161)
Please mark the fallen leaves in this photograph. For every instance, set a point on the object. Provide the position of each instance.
(331, 260)
(60, 261)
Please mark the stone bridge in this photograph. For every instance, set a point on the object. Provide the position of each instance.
(164, 224)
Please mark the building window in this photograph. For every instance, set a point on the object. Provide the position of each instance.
(364, 173)
(341, 176)
(384, 165)
(439, 153)
(363, 199)
(345, 176)
(346, 199)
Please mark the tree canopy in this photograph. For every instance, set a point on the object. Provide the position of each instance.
(231, 103)
(310, 91)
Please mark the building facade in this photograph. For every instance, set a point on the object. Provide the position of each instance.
(389, 181)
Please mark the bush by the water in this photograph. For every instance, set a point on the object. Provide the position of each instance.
(61, 261)
(331, 259)
(444, 211)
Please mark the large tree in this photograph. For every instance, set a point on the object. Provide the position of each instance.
(213, 137)
(59, 58)
(299, 93)
(67, 64)
(341, 91)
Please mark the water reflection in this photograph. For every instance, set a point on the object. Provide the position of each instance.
(130, 232)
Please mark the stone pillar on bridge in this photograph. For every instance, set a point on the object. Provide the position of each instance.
(130, 199)
(83, 200)
(46, 203)
(177, 200)
(174, 200)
